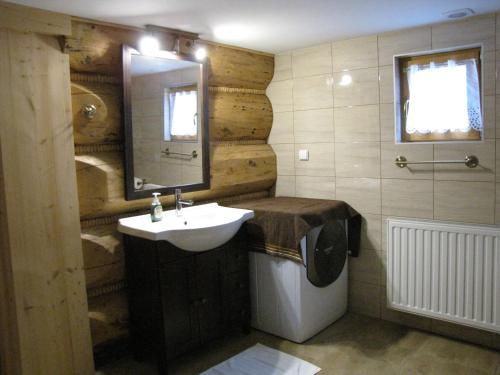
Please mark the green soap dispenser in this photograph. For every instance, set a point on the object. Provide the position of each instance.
(156, 208)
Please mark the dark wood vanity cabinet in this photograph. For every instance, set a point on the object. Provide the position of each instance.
(179, 300)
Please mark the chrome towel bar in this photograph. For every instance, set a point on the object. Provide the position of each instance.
(470, 161)
(192, 155)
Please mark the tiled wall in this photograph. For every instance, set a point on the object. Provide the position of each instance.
(148, 135)
(349, 132)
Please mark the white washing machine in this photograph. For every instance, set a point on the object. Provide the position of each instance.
(296, 301)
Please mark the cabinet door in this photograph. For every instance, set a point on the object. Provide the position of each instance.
(179, 303)
(209, 271)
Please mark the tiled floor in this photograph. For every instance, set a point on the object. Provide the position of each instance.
(354, 345)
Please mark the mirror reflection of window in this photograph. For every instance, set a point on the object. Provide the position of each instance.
(181, 113)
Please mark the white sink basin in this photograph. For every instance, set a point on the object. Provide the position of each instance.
(199, 228)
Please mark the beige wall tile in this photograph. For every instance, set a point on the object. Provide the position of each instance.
(312, 93)
(386, 75)
(282, 129)
(489, 117)
(313, 126)
(390, 151)
(473, 30)
(498, 72)
(497, 204)
(470, 334)
(315, 187)
(366, 267)
(497, 116)
(282, 66)
(410, 320)
(401, 42)
(488, 68)
(285, 159)
(285, 186)
(387, 126)
(359, 159)
(485, 171)
(409, 198)
(280, 95)
(361, 91)
(355, 53)
(321, 160)
(312, 61)
(363, 298)
(371, 232)
(358, 123)
(470, 202)
(363, 194)
(498, 30)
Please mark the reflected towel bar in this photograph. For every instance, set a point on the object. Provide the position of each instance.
(470, 161)
(192, 155)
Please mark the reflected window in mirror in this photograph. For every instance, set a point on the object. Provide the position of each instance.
(181, 113)
(166, 129)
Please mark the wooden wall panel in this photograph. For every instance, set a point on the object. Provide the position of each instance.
(97, 48)
(108, 316)
(106, 125)
(236, 116)
(26, 20)
(240, 119)
(251, 166)
(41, 207)
(108, 274)
(235, 169)
(231, 67)
(102, 245)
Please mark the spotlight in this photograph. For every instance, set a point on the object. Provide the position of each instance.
(200, 54)
(149, 45)
(345, 80)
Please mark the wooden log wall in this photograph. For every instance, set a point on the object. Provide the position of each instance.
(242, 164)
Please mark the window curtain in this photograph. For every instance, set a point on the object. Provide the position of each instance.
(183, 113)
(444, 97)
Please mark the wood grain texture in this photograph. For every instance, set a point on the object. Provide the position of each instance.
(229, 67)
(26, 19)
(108, 316)
(39, 184)
(239, 116)
(102, 245)
(97, 48)
(104, 275)
(9, 339)
(106, 126)
(237, 169)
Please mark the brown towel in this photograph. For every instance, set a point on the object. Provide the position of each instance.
(280, 223)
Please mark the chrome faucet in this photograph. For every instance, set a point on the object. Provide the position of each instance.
(179, 202)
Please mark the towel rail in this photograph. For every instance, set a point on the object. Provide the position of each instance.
(192, 155)
(470, 161)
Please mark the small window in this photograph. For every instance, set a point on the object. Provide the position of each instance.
(440, 97)
(181, 113)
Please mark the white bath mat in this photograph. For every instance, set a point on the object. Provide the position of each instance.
(261, 360)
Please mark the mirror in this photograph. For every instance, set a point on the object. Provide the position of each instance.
(166, 125)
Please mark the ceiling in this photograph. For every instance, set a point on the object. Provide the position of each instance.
(268, 25)
(142, 65)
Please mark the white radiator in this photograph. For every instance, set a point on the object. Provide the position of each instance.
(445, 271)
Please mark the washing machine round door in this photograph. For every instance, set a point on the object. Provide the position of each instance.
(325, 260)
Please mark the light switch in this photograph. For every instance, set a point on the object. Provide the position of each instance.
(304, 155)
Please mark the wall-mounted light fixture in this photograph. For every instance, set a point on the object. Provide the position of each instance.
(149, 45)
(200, 53)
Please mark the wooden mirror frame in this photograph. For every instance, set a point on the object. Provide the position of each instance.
(130, 192)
